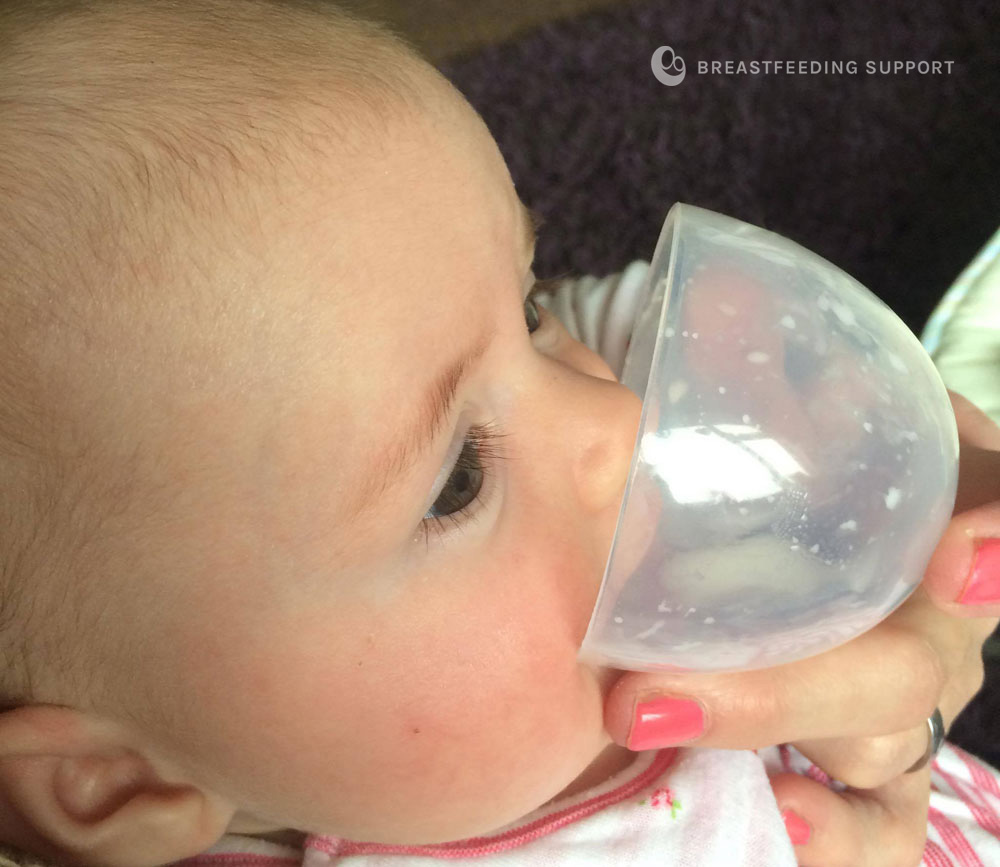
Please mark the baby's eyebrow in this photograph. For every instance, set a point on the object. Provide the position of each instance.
(393, 463)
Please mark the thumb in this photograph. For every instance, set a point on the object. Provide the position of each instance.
(964, 550)
(858, 827)
(979, 455)
(975, 427)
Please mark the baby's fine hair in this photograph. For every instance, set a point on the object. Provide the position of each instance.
(121, 123)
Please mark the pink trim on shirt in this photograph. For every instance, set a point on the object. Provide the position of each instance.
(242, 859)
(476, 846)
(935, 856)
(983, 780)
(953, 838)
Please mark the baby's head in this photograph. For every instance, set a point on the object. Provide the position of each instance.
(262, 274)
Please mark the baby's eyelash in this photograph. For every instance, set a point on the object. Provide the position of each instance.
(481, 452)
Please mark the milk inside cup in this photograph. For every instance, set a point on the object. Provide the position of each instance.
(795, 465)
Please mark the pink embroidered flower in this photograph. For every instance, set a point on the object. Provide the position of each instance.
(664, 798)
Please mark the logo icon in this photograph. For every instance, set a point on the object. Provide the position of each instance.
(668, 73)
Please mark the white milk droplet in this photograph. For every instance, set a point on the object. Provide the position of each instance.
(758, 358)
(868, 426)
(676, 390)
(788, 321)
(844, 314)
(897, 362)
(656, 626)
(849, 525)
(722, 389)
(892, 498)
(709, 620)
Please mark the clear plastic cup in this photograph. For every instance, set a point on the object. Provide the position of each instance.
(795, 464)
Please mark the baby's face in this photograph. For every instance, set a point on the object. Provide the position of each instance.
(360, 638)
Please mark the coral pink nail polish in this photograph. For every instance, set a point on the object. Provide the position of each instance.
(665, 722)
(983, 585)
(798, 828)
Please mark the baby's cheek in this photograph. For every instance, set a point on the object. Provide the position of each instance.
(474, 716)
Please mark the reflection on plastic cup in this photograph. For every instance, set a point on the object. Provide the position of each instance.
(796, 459)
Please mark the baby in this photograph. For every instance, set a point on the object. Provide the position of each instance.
(305, 508)
(308, 519)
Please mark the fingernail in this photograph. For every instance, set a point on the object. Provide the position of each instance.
(798, 828)
(983, 585)
(665, 722)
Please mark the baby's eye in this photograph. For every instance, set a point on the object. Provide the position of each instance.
(532, 315)
(532, 309)
(463, 485)
(481, 453)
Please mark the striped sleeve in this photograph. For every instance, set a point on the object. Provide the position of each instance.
(963, 821)
(600, 312)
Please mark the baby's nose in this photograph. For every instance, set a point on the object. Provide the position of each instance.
(606, 429)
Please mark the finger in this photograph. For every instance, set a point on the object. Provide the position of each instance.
(979, 441)
(859, 828)
(866, 763)
(968, 549)
(963, 575)
(975, 427)
(957, 645)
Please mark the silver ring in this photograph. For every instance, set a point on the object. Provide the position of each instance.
(935, 722)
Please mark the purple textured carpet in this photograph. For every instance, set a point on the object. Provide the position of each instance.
(893, 177)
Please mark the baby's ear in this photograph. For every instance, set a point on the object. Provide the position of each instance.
(74, 790)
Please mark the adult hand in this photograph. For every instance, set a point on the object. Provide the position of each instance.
(927, 654)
